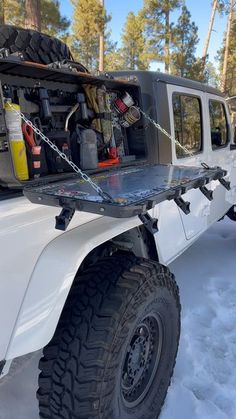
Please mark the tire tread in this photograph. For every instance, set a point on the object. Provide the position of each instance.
(126, 275)
(30, 42)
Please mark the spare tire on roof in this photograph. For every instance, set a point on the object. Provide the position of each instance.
(35, 46)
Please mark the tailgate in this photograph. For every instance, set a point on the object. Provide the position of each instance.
(133, 190)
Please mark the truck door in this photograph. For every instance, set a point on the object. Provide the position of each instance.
(188, 124)
(219, 127)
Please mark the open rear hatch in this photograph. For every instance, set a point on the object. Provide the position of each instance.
(126, 192)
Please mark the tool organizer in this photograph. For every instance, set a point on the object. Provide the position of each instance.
(47, 95)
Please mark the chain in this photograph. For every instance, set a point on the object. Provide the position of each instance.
(171, 138)
(76, 169)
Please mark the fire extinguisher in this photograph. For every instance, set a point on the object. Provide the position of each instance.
(16, 141)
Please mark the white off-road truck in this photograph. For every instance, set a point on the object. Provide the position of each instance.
(155, 168)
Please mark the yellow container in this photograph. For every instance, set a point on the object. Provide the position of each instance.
(17, 144)
(19, 158)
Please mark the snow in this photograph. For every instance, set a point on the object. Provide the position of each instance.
(204, 382)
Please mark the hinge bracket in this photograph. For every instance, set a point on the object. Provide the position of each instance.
(207, 192)
(183, 205)
(151, 224)
(64, 218)
(225, 183)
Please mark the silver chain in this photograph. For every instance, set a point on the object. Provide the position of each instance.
(76, 169)
(171, 138)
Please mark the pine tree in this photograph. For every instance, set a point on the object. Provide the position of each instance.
(113, 57)
(52, 22)
(223, 6)
(33, 14)
(159, 28)
(183, 61)
(2, 12)
(18, 17)
(211, 23)
(114, 60)
(227, 44)
(102, 43)
(88, 23)
(211, 75)
(230, 86)
(134, 52)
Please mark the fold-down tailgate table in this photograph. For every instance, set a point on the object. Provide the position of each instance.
(133, 190)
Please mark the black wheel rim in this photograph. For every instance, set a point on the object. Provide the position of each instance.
(141, 360)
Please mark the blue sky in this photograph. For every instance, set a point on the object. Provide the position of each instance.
(199, 9)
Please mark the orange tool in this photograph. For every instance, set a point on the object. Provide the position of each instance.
(35, 149)
(29, 135)
(109, 162)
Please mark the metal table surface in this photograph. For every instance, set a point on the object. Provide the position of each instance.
(134, 190)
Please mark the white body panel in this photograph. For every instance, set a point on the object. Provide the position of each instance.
(39, 263)
(26, 229)
(203, 212)
(51, 280)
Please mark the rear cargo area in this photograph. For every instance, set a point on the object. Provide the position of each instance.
(94, 121)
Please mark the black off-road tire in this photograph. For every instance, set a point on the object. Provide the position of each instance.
(35, 46)
(103, 360)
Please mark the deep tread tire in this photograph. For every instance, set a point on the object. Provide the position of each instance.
(81, 366)
(35, 46)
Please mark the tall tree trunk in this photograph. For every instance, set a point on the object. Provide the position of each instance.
(33, 14)
(212, 18)
(226, 55)
(167, 42)
(2, 12)
(101, 46)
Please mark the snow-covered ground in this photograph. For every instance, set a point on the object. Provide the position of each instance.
(204, 383)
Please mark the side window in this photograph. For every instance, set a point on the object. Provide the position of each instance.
(218, 121)
(188, 123)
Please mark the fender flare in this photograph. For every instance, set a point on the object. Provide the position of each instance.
(52, 278)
